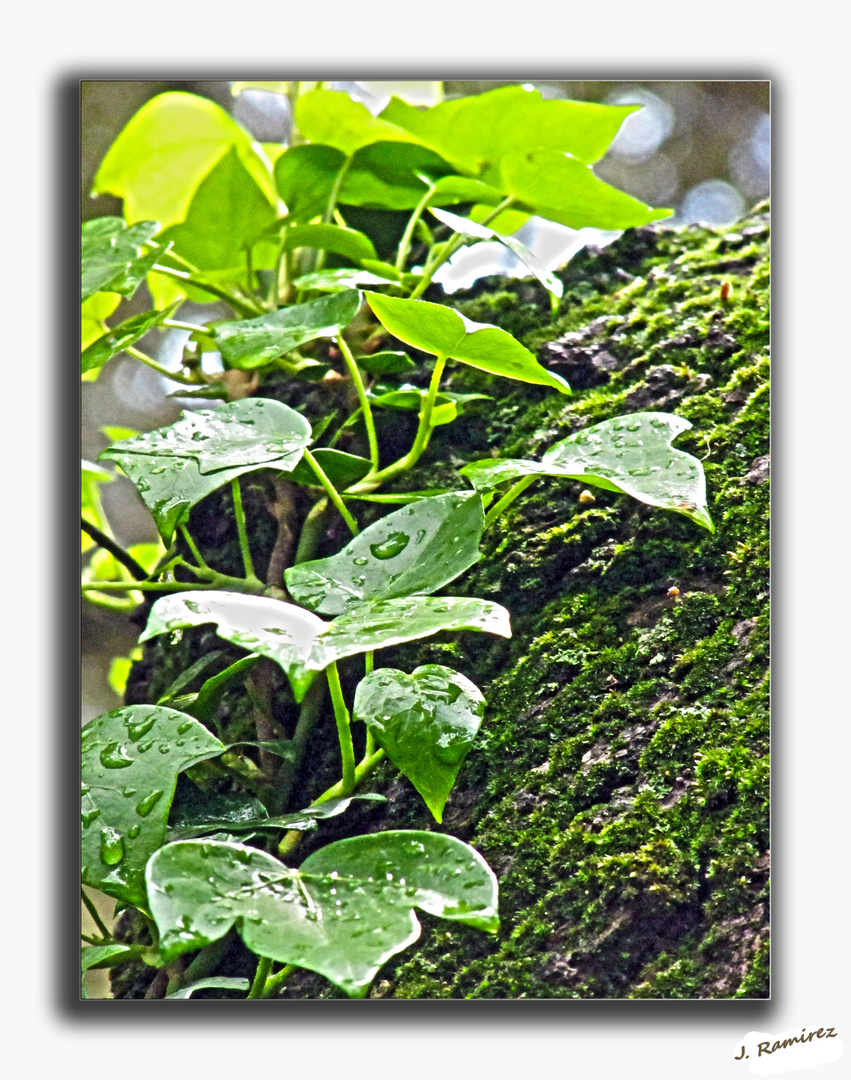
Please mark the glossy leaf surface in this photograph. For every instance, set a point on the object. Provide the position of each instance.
(251, 343)
(349, 243)
(416, 550)
(302, 643)
(112, 258)
(341, 469)
(337, 280)
(440, 330)
(117, 339)
(631, 454)
(214, 982)
(301, 820)
(328, 916)
(425, 721)
(131, 758)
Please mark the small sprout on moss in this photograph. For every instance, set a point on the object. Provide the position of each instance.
(673, 591)
(726, 290)
(586, 496)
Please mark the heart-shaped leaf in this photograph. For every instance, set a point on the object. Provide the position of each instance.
(418, 549)
(112, 259)
(386, 175)
(126, 333)
(340, 468)
(349, 243)
(425, 721)
(439, 330)
(333, 118)
(92, 314)
(301, 643)
(251, 343)
(305, 177)
(343, 914)
(631, 454)
(131, 758)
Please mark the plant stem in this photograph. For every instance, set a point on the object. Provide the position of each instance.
(276, 980)
(329, 209)
(308, 715)
(331, 491)
(175, 376)
(196, 554)
(508, 498)
(102, 540)
(242, 307)
(264, 966)
(176, 324)
(239, 514)
(405, 242)
(344, 729)
(357, 379)
(92, 910)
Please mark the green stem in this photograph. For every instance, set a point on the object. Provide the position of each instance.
(329, 209)
(344, 729)
(196, 554)
(241, 306)
(92, 910)
(264, 966)
(175, 376)
(213, 581)
(508, 498)
(357, 379)
(275, 981)
(239, 513)
(309, 712)
(117, 552)
(405, 242)
(331, 492)
(177, 324)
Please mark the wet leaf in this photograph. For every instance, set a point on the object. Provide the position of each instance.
(302, 643)
(131, 758)
(340, 468)
(214, 982)
(112, 258)
(126, 333)
(337, 280)
(251, 343)
(440, 330)
(631, 455)
(300, 821)
(425, 721)
(418, 549)
(327, 917)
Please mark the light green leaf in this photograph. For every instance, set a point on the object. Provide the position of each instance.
(349, 243)
(340, 468)
(214, 982)
(126, 333)
(94, 310)
(418, 549)
(440, 330)
(301, 643)
(160, 158)
(387, 362)
(337, 280)
(425, 721)
(305, 176)
(131, 758)
(251, 343)
(105, 956)
(112, 258)
(332, 118)
(475, 232)
(631, 455)
(343, 914)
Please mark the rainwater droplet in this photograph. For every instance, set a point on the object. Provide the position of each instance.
(361, 561)
(421, 535)
(194, 607)
(114, 756)
(147, 804)
(137, 728)
(88, 816)
(143, 485)
(163, 748)
(143, 747)
(111, 846)
(184, 727)
(134, 831)
(391, 547)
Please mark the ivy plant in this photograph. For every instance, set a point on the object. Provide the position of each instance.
(187, 817)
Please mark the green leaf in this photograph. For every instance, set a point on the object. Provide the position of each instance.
(385, 175)
(337, 280)
(105, 956)
(175, 467)
(566, 190)
(440, 330)
(340, 468)
(343, 914)
(305, 176)
(631, 455)
(112, 259)
(251, 343)
(299, 821)
(94, 310)
(160, 158)
(301, 643)
(126, 333)
(475, 232)
(227, 213)
(131, 758)
(214, 982)
(475, 133)
(194, 809)
(332, 118)
(401, 498)
(425, 721)
(349, 243)
(386, 363)
(418, 549)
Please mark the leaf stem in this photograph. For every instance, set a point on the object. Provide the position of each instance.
(331, 491)
(239, 305)
(264, 966)
(239, 514)
(102, 540)
(175, 376)
(357, 379)
(344, 729)
(273, 982)
(405, 242)
(98, 921)
(190, 543)
(508, 498)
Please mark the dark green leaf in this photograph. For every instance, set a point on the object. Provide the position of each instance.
(418, 549)
(631, 455)
(349, 243)
(126, 333)
(386, 363)
(385, 176)
(343, 914)
(105, 956)
(341, 469)
(440, 330)
(112, 259)
(251, 343)
(194, 809)
(305, 176)
(299, 821)
(214, 982)
(402, 498)
(131, 758)
(425, 721)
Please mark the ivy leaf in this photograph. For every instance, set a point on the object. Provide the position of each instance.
(475, 232)
(160, 158)
(305, 177)
(631, 455)
(251, 343)
(214, 982)
(418, 549)
(131, 758)
(344, 913)
(440, 330)
(301, 643)
(112, 259)
(341, 469)
(126, 333)
(333, 118)
(425, 721)
(349, 243)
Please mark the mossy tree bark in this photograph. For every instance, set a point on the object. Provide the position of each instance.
(619, 784)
